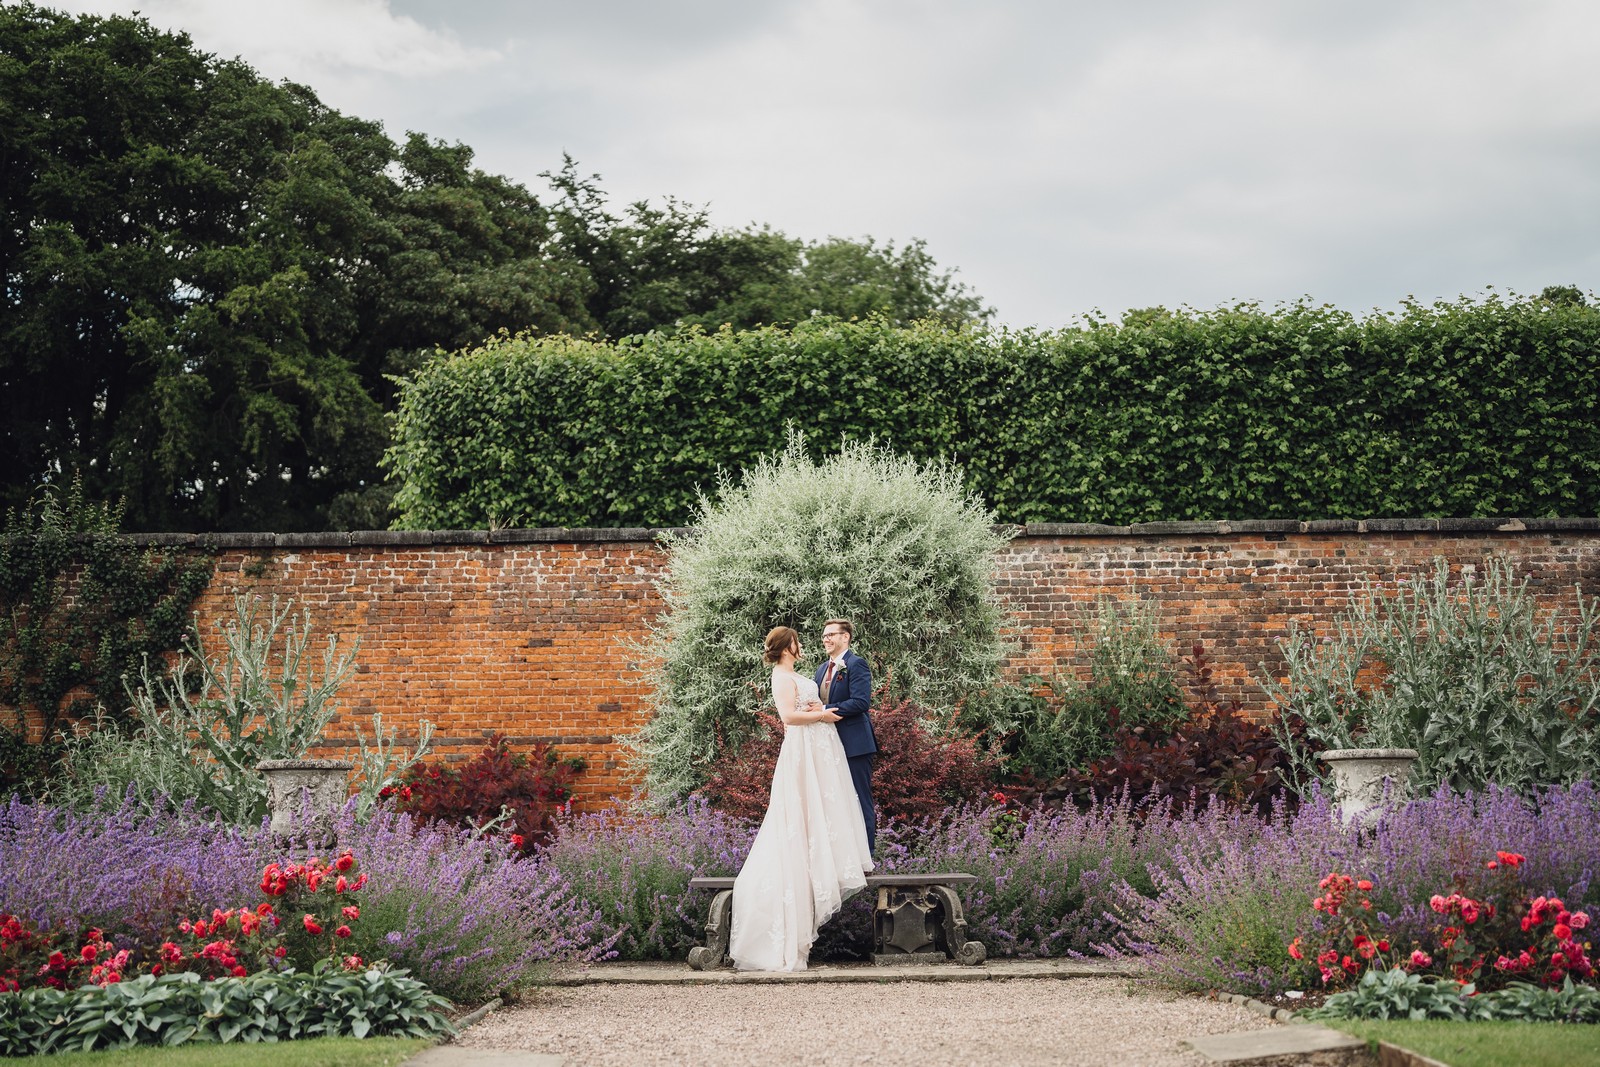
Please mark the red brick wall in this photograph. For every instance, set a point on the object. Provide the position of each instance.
(528, 632)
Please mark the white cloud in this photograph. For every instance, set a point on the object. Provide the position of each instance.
(1065, 154)
(306, 40)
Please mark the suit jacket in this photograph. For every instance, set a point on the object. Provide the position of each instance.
(850, 696)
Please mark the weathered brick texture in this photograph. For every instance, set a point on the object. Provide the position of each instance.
(532, 632)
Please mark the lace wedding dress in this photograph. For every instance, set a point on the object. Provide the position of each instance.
(809, 855)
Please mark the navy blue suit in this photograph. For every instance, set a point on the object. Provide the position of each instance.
(850, 697)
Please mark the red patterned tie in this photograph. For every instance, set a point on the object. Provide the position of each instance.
(827, 681)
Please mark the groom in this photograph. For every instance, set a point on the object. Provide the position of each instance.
(845, 683)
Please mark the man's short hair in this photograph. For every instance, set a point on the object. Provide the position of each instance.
(843, 624)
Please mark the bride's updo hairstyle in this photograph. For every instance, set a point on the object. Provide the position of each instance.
(780, 639)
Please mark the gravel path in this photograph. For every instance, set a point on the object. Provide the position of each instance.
(1089, 1021)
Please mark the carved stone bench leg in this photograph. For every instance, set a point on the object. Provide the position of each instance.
(968, 953)
(719, 924)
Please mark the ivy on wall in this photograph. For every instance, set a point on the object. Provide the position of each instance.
(81, 605)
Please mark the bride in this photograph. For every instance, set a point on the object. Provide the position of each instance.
(811, 851)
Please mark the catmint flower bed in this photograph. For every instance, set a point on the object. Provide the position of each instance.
(1207, 899)
(464, 915)
(1231, 894)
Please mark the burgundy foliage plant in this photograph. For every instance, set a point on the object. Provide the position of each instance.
(917, 775)
(530, 786)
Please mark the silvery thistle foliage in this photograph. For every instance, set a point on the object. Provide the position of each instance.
(1465, 672)
(259, 696)
(895, 545)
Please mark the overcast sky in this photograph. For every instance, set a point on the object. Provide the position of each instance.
(1066, 156)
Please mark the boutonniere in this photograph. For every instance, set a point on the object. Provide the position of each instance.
(840, 672)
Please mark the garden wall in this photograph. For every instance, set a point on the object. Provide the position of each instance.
(531, 632)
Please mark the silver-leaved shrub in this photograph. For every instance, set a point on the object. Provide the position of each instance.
(897, 546)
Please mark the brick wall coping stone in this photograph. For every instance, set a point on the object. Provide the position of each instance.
(601, 535)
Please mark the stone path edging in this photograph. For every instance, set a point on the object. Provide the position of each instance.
(1282, 1015)
(990, 971)
(476, 1014)
(1389, 1054)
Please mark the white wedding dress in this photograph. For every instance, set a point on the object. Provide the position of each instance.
(809, 855)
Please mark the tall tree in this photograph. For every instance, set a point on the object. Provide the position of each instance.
(661, 266)
(208, 276)
(210, 280)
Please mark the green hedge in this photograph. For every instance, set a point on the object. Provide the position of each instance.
(1455, 409)
(176, 1009)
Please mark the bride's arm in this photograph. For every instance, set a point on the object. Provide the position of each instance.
(786, 695)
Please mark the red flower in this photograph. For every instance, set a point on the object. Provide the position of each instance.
(1438, 904)
(239, 972)
(1579, 920)
(1420, 958)
(516, 841)
(311, 925)
(1294, 950)
(280, 952)
(340, 884)
(352, 963)
(1383, 945)
(1364, 885)
(263, 909)
(1563, 932)
(1510, 859)
(345, 862)
(88, 953)
(343, 931)
(351, 912)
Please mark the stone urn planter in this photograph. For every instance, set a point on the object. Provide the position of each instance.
(1364, 778)
(305, 794)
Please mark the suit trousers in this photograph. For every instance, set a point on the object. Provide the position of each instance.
(861, 776)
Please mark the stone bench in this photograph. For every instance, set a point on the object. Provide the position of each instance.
(917, 919)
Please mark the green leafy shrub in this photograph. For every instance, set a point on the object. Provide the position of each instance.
(1045, 729)
(177, 1009)
(894, 545)
(1462, 670)
(1302, 411)
(1215, 754)
(204, 725)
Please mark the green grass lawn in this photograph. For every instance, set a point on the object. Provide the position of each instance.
(318, 1052)
(1484, 1044)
